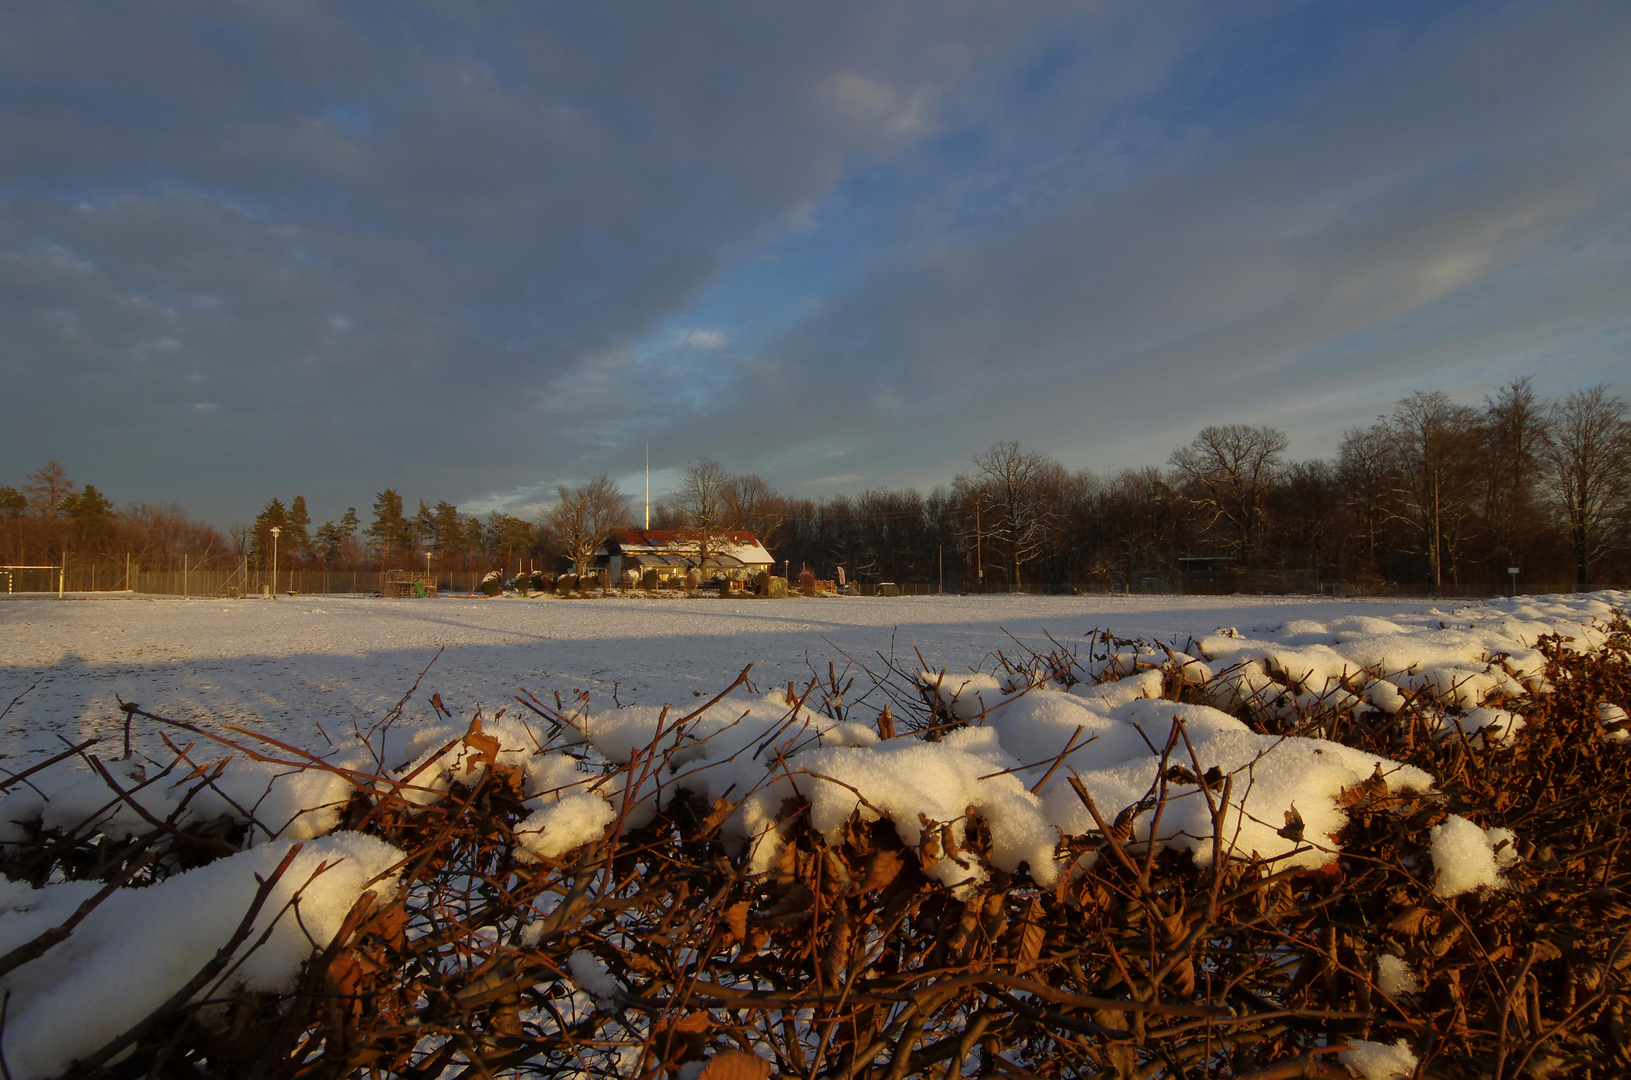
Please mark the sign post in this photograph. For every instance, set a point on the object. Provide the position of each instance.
(1513, 570)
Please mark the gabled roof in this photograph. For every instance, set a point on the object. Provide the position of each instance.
(743, 546)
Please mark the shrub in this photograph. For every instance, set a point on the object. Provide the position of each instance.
(492, 583)
(566, 584)
(567, 937)
(648, 580)
(807, 580)
(776, 588)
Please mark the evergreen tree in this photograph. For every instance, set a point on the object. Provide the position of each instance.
(48, 488)
(328, 542)
(275, 515)
(389, 534)
(445, 527)
(298, 538)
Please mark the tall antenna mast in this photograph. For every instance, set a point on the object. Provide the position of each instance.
(648, 486)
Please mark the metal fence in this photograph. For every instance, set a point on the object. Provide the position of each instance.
(109, 576)
(116, 575)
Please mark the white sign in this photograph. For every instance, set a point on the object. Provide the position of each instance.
(1512, 570)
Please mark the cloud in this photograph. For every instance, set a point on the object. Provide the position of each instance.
(447, 248)
(704, 339)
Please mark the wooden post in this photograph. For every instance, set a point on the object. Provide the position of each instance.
(62, 573)
(184, 567)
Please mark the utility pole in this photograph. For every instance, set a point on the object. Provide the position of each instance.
(648, 486)
(275, 531)
(979, 556)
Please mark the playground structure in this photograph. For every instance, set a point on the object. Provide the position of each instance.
(406, 583)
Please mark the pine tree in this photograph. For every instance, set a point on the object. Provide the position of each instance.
(275, 515)
(298, 538)
(389, 534)
(447, 530)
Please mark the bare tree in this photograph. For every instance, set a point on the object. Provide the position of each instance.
(1228, 470)
(1364, 465)
(1589, 467)
(1515, 433)
(1012, 489)
(583, 519)
(752, 504)
(1433, 441)
(703, 504)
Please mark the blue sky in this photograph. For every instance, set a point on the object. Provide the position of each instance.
(474, 252)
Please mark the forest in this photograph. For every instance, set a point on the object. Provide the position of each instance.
(1435, 496)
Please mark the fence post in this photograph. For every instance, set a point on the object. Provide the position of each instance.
(62, 573)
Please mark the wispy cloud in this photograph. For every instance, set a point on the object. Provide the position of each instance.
(432, 255)
(704, 339)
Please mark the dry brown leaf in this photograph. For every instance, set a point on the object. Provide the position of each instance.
(1031, 931)
(486, 746)
(691, 1023)
(836, 957)
(736, 1065)
(881, 870)
(1409, 921)
(736, 918)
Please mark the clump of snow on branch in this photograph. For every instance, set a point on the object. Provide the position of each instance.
(1467, 857)
(142, 945)
(1379, 1061)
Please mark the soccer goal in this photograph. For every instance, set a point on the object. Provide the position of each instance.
(32, 579)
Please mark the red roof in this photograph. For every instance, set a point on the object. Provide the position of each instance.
(658, 538)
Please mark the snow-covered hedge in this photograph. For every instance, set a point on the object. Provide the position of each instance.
(1157, 850)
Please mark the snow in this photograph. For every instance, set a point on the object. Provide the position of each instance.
(558, 827)
(142, 945)
(634, 677)
(592, 975)
(1614, 721)
(1379, 1061)
(1395, 977)
(1468, 857)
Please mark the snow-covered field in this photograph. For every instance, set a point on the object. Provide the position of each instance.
(291, 664)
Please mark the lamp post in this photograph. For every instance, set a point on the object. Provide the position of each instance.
(275, 531)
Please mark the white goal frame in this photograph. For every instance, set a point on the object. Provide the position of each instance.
(62, 573)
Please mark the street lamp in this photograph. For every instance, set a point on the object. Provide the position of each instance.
(275, 531)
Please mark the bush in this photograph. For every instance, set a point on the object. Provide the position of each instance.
(776, 588)
(504, 948)
(566, 584)
(492, 584)
(807, 580)
(724, 587)
(648, 580)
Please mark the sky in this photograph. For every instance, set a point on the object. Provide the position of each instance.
(475, 251)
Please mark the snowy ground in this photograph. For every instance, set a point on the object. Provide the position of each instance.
(287, 663)
(290, 664)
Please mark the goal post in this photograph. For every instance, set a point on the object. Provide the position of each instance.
(32, 579)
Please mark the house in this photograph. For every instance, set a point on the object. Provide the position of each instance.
(672, 554)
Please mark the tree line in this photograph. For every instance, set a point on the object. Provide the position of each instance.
(1434, 495)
